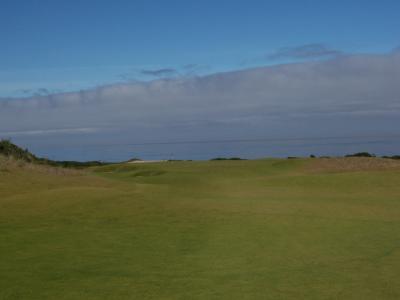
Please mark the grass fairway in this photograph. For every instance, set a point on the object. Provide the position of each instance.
(266, 229)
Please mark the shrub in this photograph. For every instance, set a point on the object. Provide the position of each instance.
(227, 158)
(361, 154)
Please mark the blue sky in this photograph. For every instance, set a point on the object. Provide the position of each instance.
(114, 79)
(71, 45)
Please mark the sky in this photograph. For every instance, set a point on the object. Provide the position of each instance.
(195, 79)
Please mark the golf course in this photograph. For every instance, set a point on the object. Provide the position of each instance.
(307, 228)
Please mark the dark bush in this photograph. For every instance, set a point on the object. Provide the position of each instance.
(227, 158)
(361, 154)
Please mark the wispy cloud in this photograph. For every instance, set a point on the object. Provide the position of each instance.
(38, 92)
(184, 71)
(304, 52)
(159, 72)
(191, 66)
(49, 131)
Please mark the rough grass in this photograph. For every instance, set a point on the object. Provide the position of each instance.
(268, 229)
(11, 164)
(352, 164)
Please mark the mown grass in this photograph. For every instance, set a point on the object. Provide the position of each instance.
(266, 229)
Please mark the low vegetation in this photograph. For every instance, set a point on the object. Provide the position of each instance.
(227, 158)
(361, 154)
(8, 149)
(11, 150)
(392, 157)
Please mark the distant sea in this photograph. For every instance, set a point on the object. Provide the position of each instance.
(207, 149)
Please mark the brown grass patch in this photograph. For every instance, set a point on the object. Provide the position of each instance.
(10, 164)
(352, 164)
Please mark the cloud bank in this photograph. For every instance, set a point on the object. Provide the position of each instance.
(358, 94)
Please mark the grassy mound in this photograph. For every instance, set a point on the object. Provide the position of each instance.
(8, 149)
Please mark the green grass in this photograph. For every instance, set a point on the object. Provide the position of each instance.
(267, 229)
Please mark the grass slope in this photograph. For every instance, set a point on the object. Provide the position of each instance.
(12, 151)
(267, 229)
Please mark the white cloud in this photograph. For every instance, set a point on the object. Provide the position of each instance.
(49, 131)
